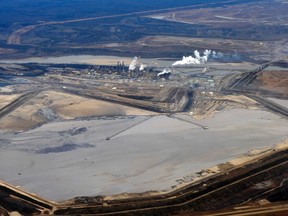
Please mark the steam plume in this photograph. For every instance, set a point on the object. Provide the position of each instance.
(165, 71)
(198, 59)
(133, 64)
(142, 67)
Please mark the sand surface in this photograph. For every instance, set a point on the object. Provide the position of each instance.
(7, 99)
(51, 105)
(71, 158)
(85, 59)
(280, 101)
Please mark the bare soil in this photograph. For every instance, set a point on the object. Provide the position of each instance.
(275, 81)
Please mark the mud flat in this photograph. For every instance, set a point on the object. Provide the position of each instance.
(64, 159)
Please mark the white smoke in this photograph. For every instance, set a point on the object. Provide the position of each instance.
(198, 59)
(217, 55)
(165, 71)
(133, 64)
(142, 67)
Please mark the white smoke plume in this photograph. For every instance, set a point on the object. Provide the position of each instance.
(165, 71)
(133, 64)
(218, 55)
(142, 67)
(198, 59)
